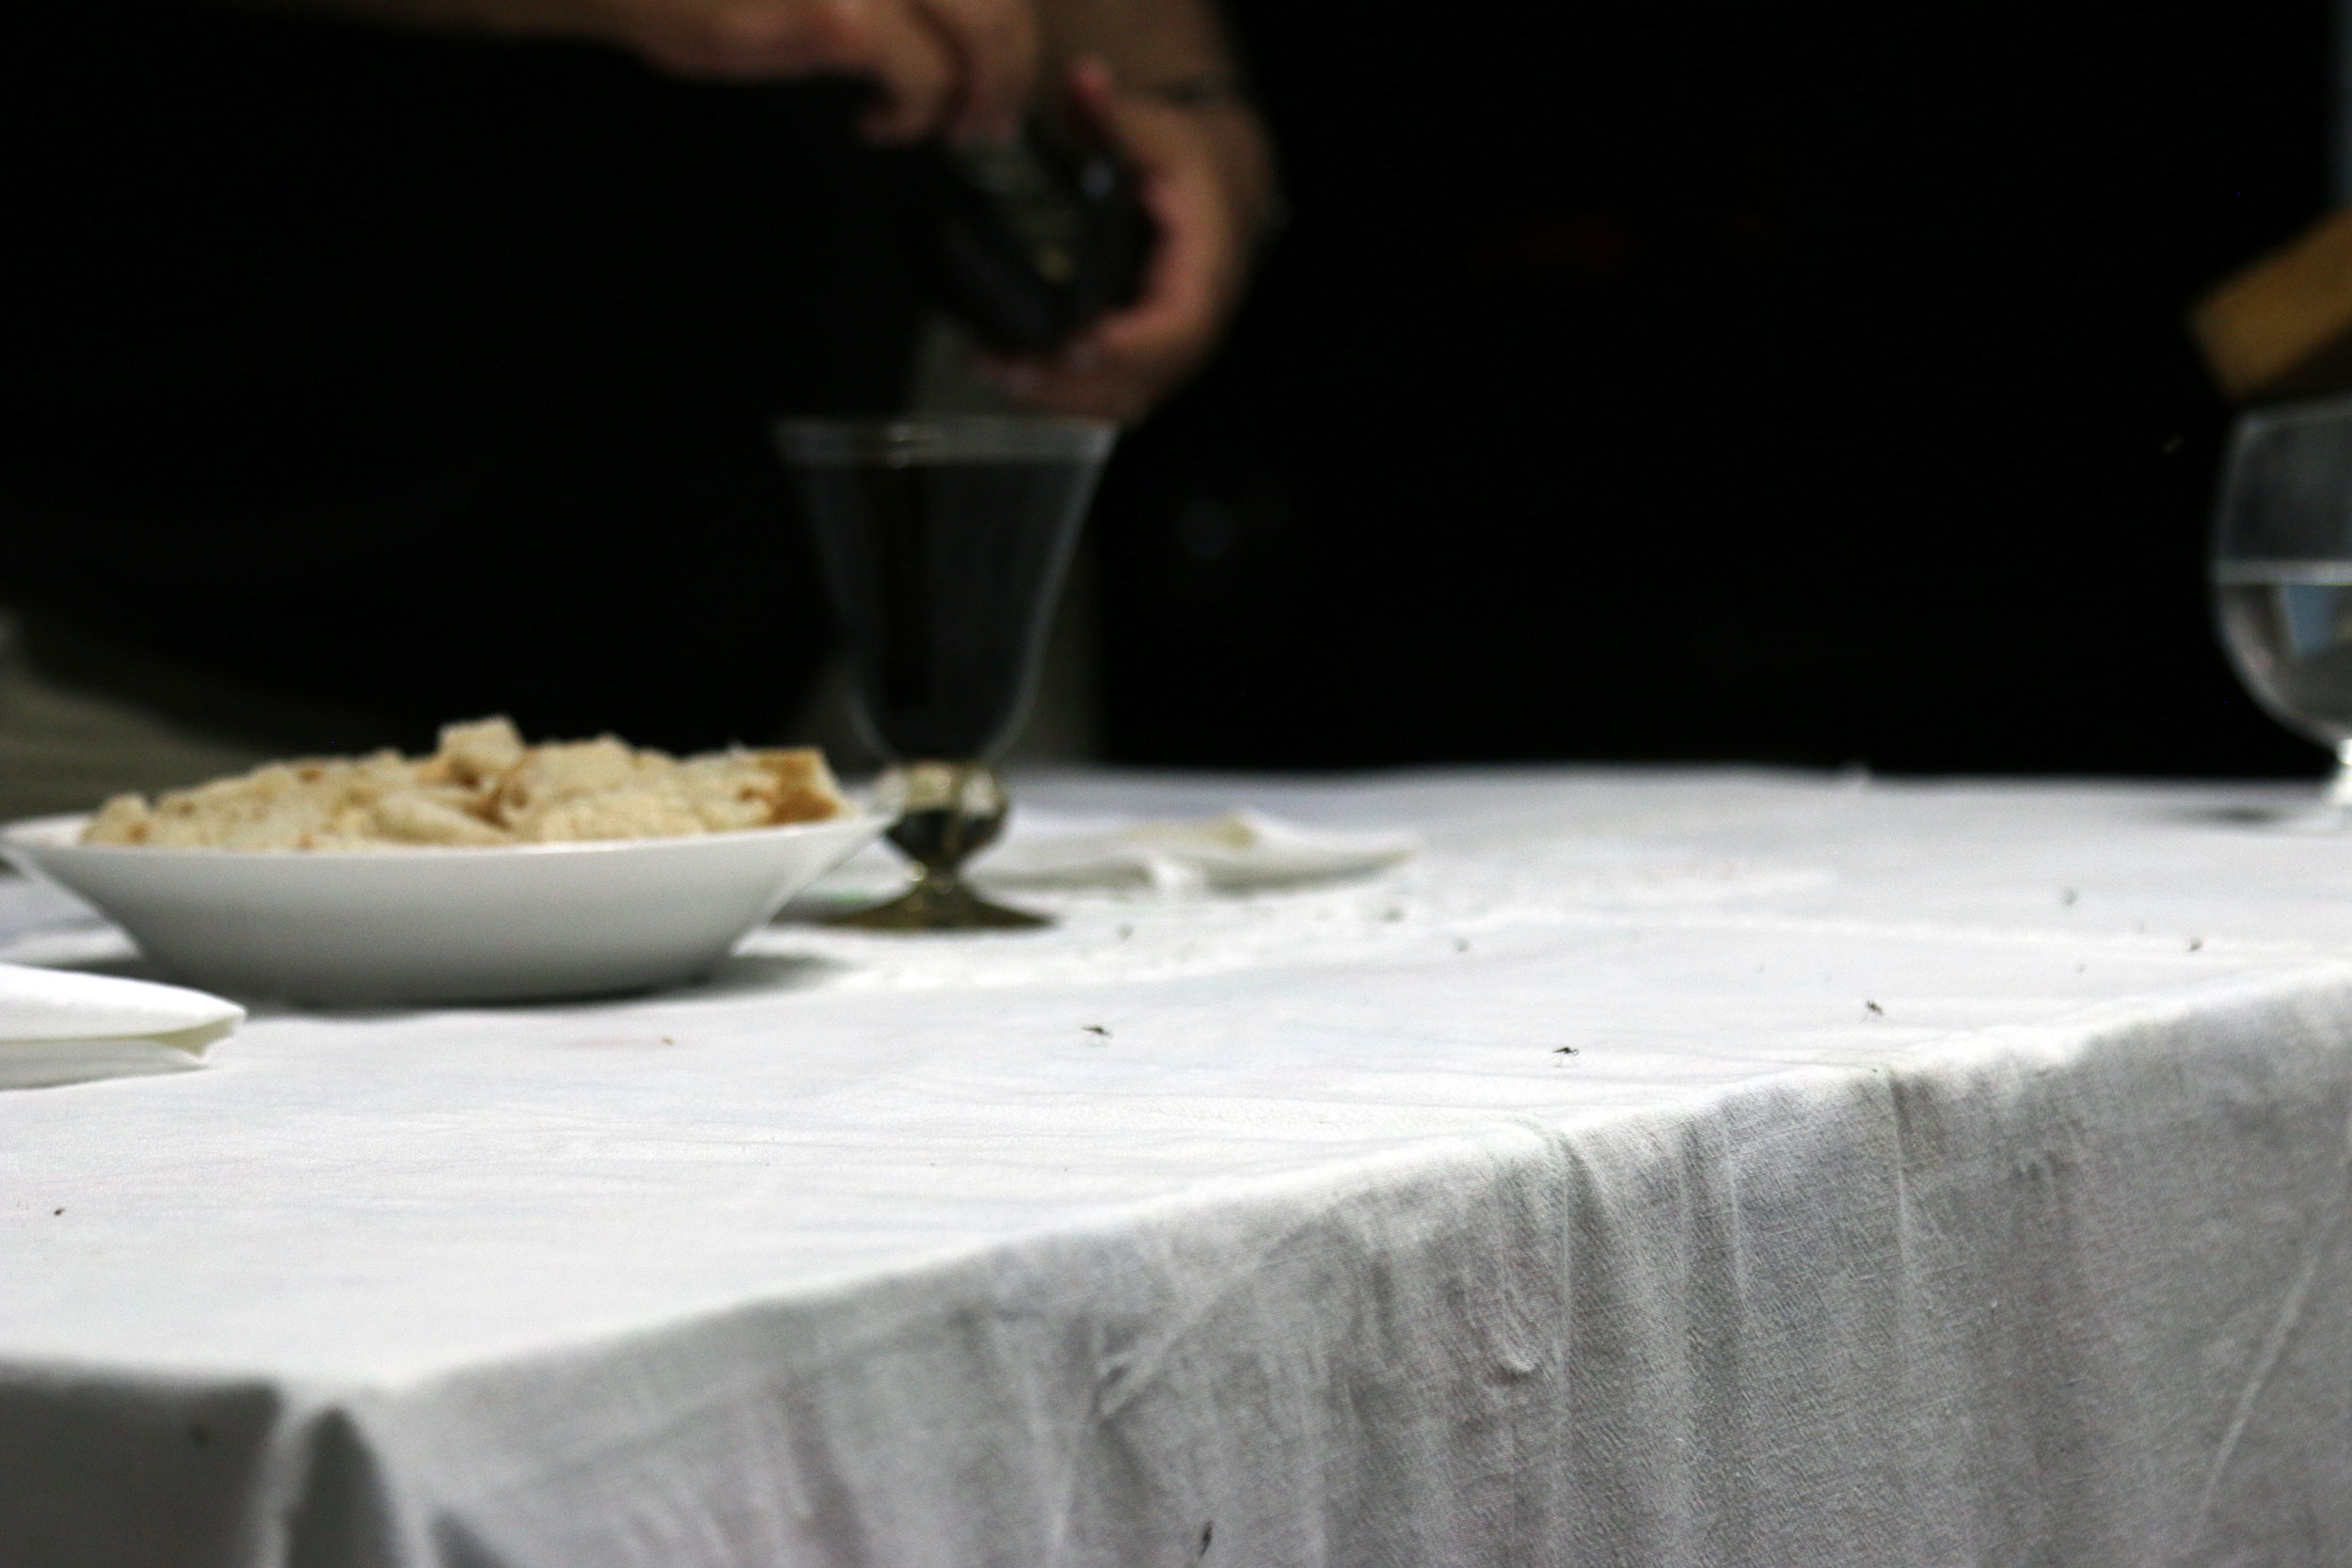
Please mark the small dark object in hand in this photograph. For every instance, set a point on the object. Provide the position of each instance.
(1030, 240)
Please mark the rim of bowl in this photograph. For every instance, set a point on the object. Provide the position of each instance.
(22, 832)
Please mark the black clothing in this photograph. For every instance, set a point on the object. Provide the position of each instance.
(430, 377)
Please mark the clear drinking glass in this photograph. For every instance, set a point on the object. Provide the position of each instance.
(944, 540)
(2282, 571)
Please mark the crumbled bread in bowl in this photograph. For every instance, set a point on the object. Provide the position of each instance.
(482, 787)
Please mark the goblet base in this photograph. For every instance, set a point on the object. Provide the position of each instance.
(947, 812)
(930, 906)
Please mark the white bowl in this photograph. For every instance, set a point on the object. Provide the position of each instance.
(496, 925)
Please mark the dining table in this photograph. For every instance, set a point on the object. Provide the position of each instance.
(1660, 1166)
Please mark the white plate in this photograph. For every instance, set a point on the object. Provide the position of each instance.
(498, 925)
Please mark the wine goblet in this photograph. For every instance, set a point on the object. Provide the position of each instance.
(2282, 571)
(944, 540)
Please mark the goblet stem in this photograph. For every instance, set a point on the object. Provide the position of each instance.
(2338, 793)
(946, 812)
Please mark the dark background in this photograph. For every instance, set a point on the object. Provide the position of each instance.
(1801, 383)
(1639, 379)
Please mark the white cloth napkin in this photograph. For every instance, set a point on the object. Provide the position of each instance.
(61, 1026)
(1239, 851)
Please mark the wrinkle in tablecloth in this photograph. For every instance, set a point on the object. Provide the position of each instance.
(2025, 1266)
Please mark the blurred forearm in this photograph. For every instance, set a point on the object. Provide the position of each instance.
(954, 66)
(489, 16)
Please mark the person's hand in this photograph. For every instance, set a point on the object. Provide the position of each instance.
(961, 68)
(1205, 175)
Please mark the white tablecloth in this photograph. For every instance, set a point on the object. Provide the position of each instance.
(1666, 1168)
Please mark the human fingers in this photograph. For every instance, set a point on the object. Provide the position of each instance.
(1128, 360)
(1120, 368)
(914, 68)
(1093, 94)
(1132, 358)
(996, 44)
